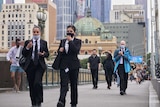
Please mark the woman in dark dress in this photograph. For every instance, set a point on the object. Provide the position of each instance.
(108, 66)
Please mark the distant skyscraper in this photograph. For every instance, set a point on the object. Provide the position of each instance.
(66, 15)
(100, 9)
(81, 8)
(1, 2)
(9, 1)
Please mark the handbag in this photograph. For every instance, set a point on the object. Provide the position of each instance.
(22, 61)
(56, 63)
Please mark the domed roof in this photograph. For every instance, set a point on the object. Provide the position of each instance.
(89, 26)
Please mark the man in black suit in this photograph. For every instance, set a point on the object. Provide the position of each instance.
(69, 67)
(35, 51)
(94, 65)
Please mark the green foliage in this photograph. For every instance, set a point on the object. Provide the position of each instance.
(83, 62)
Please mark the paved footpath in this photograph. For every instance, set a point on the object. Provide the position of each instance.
(137, 96)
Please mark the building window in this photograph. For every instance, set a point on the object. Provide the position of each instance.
(2, 26)
(8, 32)
(86, 41)
(20, 15)
(8, 38)
(30, 16)
(2, 32)
(86, 53)
(3, 16)
(2, 43)
(12, 38)
(95, 41)
(29, 32)
(2, 37)
(12, 15)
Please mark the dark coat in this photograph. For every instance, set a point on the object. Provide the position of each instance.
(28, 54)
(108, 64)
(70, 60)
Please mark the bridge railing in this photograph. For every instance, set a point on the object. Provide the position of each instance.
(52, 77)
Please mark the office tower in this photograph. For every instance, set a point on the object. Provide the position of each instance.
(9, 1)
(99, 9)
(51, 8)
(66, 15)
(1, 2)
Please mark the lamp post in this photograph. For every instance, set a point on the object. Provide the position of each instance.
(100, 52)
(41, 16)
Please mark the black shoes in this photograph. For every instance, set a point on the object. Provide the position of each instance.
(60, 104)
(73, 106)
(95, 87)
(122, 93)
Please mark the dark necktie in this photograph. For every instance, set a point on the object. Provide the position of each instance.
(36, 53)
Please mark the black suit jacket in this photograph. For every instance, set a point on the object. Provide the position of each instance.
(70, 60)
(28, 54)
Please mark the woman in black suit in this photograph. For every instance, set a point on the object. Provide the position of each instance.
(69, 66)
(35, 51)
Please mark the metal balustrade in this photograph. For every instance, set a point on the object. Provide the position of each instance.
(52, 77)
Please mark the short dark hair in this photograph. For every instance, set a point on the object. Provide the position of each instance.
(72, 26)
(94, 50)
(17, 40)
(35, 26)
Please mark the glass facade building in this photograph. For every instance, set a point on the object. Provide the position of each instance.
(9, 1)
(1, 2)
(66, 15)
(100, 9)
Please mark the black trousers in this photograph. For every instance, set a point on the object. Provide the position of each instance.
(108, 76)
(123, 77)
(94, 77)
(34, 76)
(66, 77)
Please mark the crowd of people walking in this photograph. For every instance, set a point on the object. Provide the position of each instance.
(116, 67)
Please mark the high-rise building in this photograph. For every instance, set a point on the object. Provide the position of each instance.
(122, 2)
(17, 21)
(1, 2)
(100, 9)
(81, 8)
(127, 14)
(9, 1)
(51, 8)
(66, 15)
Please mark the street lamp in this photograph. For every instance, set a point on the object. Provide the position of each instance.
(100, 52)
(41, 16)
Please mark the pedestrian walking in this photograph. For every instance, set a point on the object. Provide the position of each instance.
(69, 66)
(108, 66)
(35, 51)
(94, 65)
(13, 56)
(122, 59)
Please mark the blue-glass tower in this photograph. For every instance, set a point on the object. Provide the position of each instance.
(1, 2)
(66, 15)
(100, 9)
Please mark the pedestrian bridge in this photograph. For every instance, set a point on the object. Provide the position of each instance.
(142, 95)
